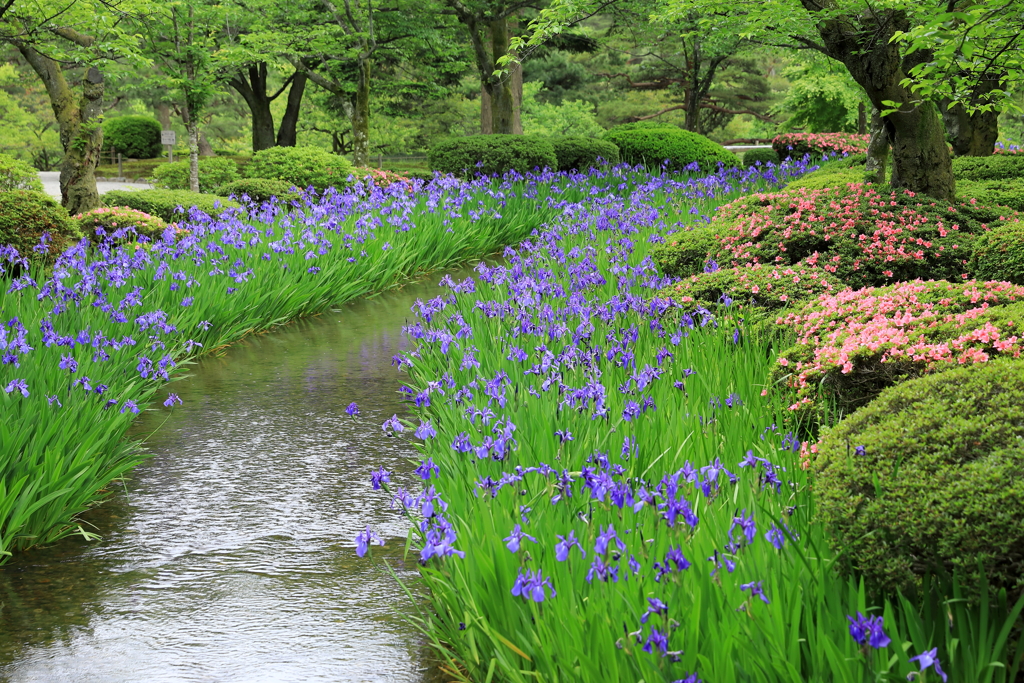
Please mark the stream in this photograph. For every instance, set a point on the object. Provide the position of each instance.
(229, 555)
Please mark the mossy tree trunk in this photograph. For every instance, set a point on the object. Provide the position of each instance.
(878, 149)
(251, 84)
(973, 135)
(500, 87)
(863, 43)
(78, 119)
(361, 113)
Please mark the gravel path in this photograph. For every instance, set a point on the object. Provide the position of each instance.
(51, 184)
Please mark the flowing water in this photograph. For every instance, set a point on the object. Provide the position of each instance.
(229, 554)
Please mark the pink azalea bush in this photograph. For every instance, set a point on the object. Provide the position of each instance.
(112, 218)
(819, 144)
(854, 343)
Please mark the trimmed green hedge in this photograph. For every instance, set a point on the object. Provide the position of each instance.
(671, 148)
(687, 253)
(765, 156)
(930, 476)
(259, 189)
(163, 203)
(1007, 192)
(492, 155)
(16, 174)
(25, 215)
(301, 166)
(136, 137)
(999, 254)
(579, 154)
(213, 172)
(995, 167)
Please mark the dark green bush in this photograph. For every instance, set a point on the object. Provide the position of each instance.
(759, 287)
(673, 149)
(213, 172)
(995, 167)
(25, 215)
(765, 156)
(579, 154)
(930, 477)
(135, 137)
(492, 155)
(163, 203)
(999, 254)
(16, 174)
(300, 166)
(646, 125)
(259, 189)
(686, 253)
(1008, 192)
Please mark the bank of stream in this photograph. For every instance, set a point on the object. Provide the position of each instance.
(228, 556)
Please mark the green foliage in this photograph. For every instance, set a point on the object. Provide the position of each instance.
(575, 153)
(164, 203)
(939, 485)
(213, 172)
(259, 189)
(136, 137)
(995, 167)
(572, 118)
(114, 218)
(686, 253)
(675, 149)
(25, 215)
(300, 166)
(1008, 192)
(999, 254)
(492, 154)
(822, 99)
(18, 175)
(758, 287)
(828, 178)
(765, 156)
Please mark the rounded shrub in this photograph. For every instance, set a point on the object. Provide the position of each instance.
(300, 166)
(492, 155)
(752, 157)
(853, 344)
(1008, 192)
(579, 154)
(671, 148)
(686, 253)
(797, 145)
(106, 220)
(999, 254)
(164, 203)
(136, 137)
(761, 288)
(16, 174)
(26, 215)
(213, 172)
(929, 477)
(259, 189)
(995, 167)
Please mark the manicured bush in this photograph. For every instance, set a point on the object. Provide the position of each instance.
(113, 218)
(862, 235)
(300, 166)
(135, 137)
(378, 176)
(855, 343)
(579, 154)
(16, 174)
(930, 477)
(673, 149)
(164, 203)
(765, 156)
(818, 144)
(995, 167)
(492, 155)
(260, 189)
(828, 177)
(760, 287)
(213, 172)
(999, 254)
(1008, 192)
(688, 252)
(26, 215)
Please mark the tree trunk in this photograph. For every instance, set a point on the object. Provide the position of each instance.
(501, 87)
(254, 91)
(972, 135)
(205, 148)
(78, 120)
(878, 150)
(286, 134)
(163, 114)
(516, 74)
(920, 156)
(192, 130)
(862, 119)
(485, 110)
(361, 114)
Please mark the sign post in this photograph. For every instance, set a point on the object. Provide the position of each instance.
(168, 138)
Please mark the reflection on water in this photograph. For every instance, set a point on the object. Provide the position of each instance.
(229, 556)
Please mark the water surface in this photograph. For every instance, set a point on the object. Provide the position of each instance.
(228, 556)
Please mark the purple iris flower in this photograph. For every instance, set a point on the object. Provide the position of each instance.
(565, 544)
(171, 400)
(379, 478)
(755, 590)
(930, 658)
(513, 540)
(365, 538)
(868, 630)
(352, 410)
